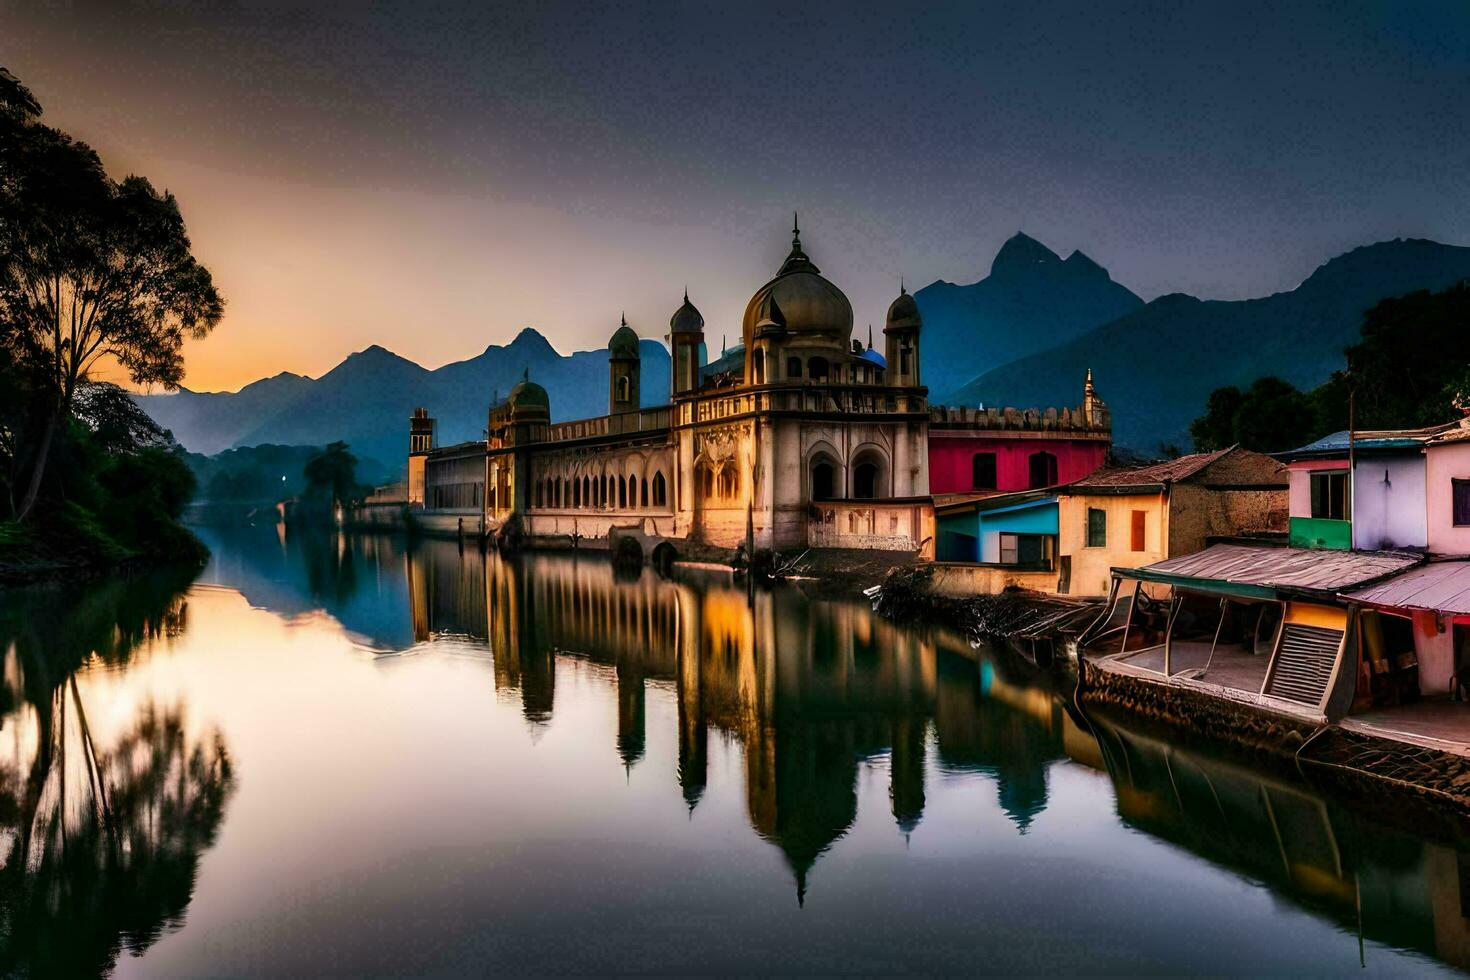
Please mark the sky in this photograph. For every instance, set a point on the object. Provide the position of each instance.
(433, 177)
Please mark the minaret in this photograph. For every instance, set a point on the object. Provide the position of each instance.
(623, 360)
(901, 341)
(1094, 409)
(686, 346)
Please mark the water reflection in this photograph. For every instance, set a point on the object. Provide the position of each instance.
(1381, 883)
(102, 835)
(811, 689)
(521, 743)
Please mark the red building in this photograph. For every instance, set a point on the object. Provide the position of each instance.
(989, 450)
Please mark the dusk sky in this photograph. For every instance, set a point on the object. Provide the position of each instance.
(434, 177)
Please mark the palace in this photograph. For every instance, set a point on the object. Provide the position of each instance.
(798, 437)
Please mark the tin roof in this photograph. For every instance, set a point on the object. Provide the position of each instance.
(1441, 586)
(1367, 440)
(1157, 474)
(1263, 570)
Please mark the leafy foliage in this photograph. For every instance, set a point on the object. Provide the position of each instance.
(1411, 369)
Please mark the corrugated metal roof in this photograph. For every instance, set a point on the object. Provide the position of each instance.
(1301, 569)
(1155, 475)
(1367, 440)
(1442, 586)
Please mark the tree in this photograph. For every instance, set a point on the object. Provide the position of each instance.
(1406, 370)
(1269, 417)
(90, 269)
(332, 474)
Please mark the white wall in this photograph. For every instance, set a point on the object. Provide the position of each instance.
(1388, 503)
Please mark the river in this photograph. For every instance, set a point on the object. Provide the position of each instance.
(348, 755)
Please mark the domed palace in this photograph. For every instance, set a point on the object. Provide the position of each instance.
(799, 437)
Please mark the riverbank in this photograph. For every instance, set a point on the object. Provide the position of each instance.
(70, 544)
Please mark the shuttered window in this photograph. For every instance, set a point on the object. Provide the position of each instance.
(1460, 489)
(1140, 519)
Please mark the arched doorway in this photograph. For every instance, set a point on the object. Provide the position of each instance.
(824, 478)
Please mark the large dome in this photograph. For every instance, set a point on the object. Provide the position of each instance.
(810, 303)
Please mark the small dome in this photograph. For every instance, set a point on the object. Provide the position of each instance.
(873, 357)
(686, 319)
(624, 343)
(903, 313)
(528, 396)
(769, 319)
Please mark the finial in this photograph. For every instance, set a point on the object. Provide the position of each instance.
(624, 318)
(795, 230)
(526, 374)
(870, 336)
(722, 345)
(686, 292)
(901, 290)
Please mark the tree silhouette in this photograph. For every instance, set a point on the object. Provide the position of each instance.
(90, 268)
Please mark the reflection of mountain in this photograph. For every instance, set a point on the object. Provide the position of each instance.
(357, 580)
(101, 840)
(810, 689)
(1394, 888)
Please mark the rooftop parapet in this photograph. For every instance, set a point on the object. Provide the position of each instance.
(1030, 419)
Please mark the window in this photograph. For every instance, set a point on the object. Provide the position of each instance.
(1043, 470)
(1023, 549)
(1097, 528)
(865, 481)
(816, 369)
(758, 366)
(823, 480)
(1460, 489)
(1330, 495)
(982, 471)
(1140, 523)
(658, 490)
(624, 388)
(905, 360)
(644, 495)
(793, 367)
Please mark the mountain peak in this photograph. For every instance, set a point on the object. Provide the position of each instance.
(1020, 253)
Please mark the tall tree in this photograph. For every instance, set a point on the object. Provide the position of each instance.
(332, 474)
(90, 269)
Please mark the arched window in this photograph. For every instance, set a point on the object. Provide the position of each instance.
(540, 490)
(576, 493)
(556, 493)
(586, 491)
(824, 479)
(645, 492)
(982, 471)
(793, 368)
(869, 475)
(625, 388)
(816, 368)
(729, 483)
(758, 366)
(1043, 467)
(660, 493)
(622, 494)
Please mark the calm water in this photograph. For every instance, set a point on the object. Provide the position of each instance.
(335, 755)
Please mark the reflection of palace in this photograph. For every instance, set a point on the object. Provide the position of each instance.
(810, 689)
(800, 436)
(1403, 891)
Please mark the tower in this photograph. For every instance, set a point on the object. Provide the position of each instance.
(1094, 409)
(623, 370)
(420, 441)
(901, 341)
(686, 342)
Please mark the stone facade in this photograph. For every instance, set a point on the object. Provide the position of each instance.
(800, 422)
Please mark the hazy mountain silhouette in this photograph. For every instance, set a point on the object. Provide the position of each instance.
(366, 400)
(1156, 366)
(1033, 299)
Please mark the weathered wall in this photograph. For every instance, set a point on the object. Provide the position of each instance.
(1389, 502)
(965, 579)
(873, 524)
(1443, 464)
(1198, 512)
(1092, 567)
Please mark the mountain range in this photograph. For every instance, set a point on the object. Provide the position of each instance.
(1031, 300)
(1156, 365)
(1024, 335)
(367, 399)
